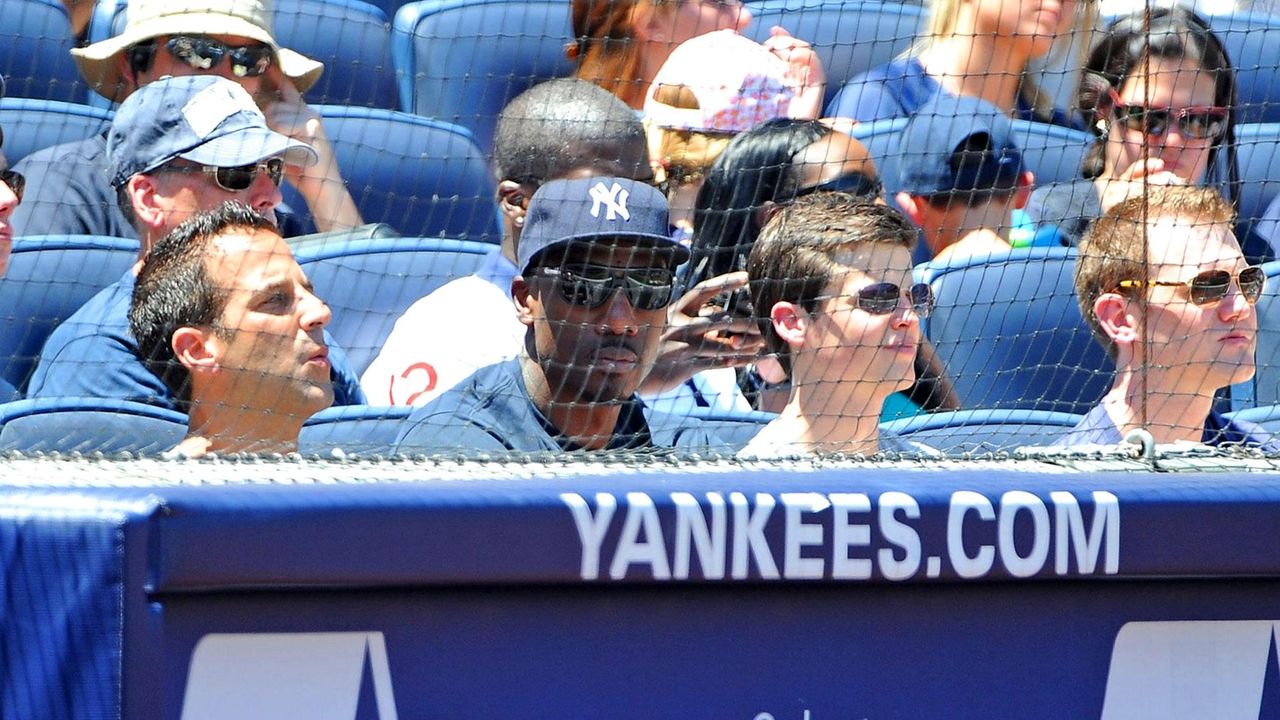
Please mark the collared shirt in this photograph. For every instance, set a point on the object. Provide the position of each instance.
(491, 412)
(1097, 428)
(92, 354)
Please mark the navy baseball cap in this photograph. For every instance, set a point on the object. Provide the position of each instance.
(205, 119)
(596, 208)
(957, 143)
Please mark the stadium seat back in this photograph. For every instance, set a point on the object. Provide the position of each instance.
(1258, 153)
(49, 278)
(35, 51)
(88, 425)
(1010, 334)
(984, 430)
(353, 430)
(460, 61)
(1252, 41)
(850, 36)
(423, 178)
(30, 124)
(352, 39)
(369, 284)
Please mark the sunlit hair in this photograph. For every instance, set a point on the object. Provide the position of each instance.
(174, 290)
(1125, 49)
(794, 259)
(944, 16)
(604, 46)
(1114, 248)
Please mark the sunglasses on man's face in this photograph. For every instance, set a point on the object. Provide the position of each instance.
(16, 181)
(883, 298)
(1211, 286)
(204, 53)
(1200, 123)
(240, 178)
(591, 286)
(854, 183)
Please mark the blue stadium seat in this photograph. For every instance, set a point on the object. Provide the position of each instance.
(369, 284)
(1253, 44)
(1268, 416)
(354, 429)
(462, 60)
(1009, 331)
(422, 177)
(1258, 152)
(1052, 152)
(850, 36)
(49, 278)
(88, 425)
(734, 429)
(352, 39)
(983, 430)
(35, 51)
(1264, 389)
(30, 124)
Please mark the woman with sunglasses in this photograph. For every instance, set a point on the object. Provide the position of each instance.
(1160, 90)
(621, 44)
(980, 48)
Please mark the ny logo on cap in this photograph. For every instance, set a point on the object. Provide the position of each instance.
(613, 199)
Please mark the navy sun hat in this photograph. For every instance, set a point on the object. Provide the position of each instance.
(205, 119)
(595, 209)
(957, 143)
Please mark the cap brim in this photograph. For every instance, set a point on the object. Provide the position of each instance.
(659, 243)
(99, 63)
(250, 146)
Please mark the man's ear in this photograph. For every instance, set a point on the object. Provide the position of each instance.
(649, 23)
(1026, 183)
(196, 349)
(765, 212)
(1117, 322)
(521, 295)
(790, 322)
(144, 194)
(912, 207)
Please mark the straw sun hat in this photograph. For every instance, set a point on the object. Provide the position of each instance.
(149, 19)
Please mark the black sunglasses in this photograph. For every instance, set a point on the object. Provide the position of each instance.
(1201, 123)
(883, 298)
(591, 286)
(854, 183)
(16, 181)
(205, 53)
(237, 179)
(1211, 286)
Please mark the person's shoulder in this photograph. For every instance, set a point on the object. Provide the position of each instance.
(73, 155)
(1095, 428)
(890, 90)
(475, 414)
(683, 432)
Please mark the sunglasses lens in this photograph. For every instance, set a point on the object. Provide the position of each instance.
(236, 179)
(16, 182)
(650, 288)
(879, 298)
(199, 53)
(250, 60)
(1201, 124)
(922, 299)
(1252, 282)
(1210, 287)
(590, 286)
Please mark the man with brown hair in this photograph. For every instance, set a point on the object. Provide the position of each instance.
(831, 278)
(1165, 288)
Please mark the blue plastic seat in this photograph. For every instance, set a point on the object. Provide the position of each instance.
(422, 177)
(49, 278)
(352, 39)
(35, 51)
(354, 430)
(31, 125)
(461, 60)
(1252, 41)
(1052, 152)
(88, 425)
(1258, 153)
(850, 36)
(1010, 333)
(983, 430)
(369, 284)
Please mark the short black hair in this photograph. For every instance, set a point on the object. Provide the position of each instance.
(174, 290)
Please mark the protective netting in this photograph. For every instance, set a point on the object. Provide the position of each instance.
(676, 252)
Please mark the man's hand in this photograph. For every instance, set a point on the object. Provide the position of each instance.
(700, 336)
(320, 185)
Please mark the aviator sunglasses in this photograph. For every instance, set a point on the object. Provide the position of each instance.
(882, 298)
(1211, 286)
(1200, 123)
(237, 179)
(590, 286)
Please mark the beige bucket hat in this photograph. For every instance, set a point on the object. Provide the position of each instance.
(149, 19)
